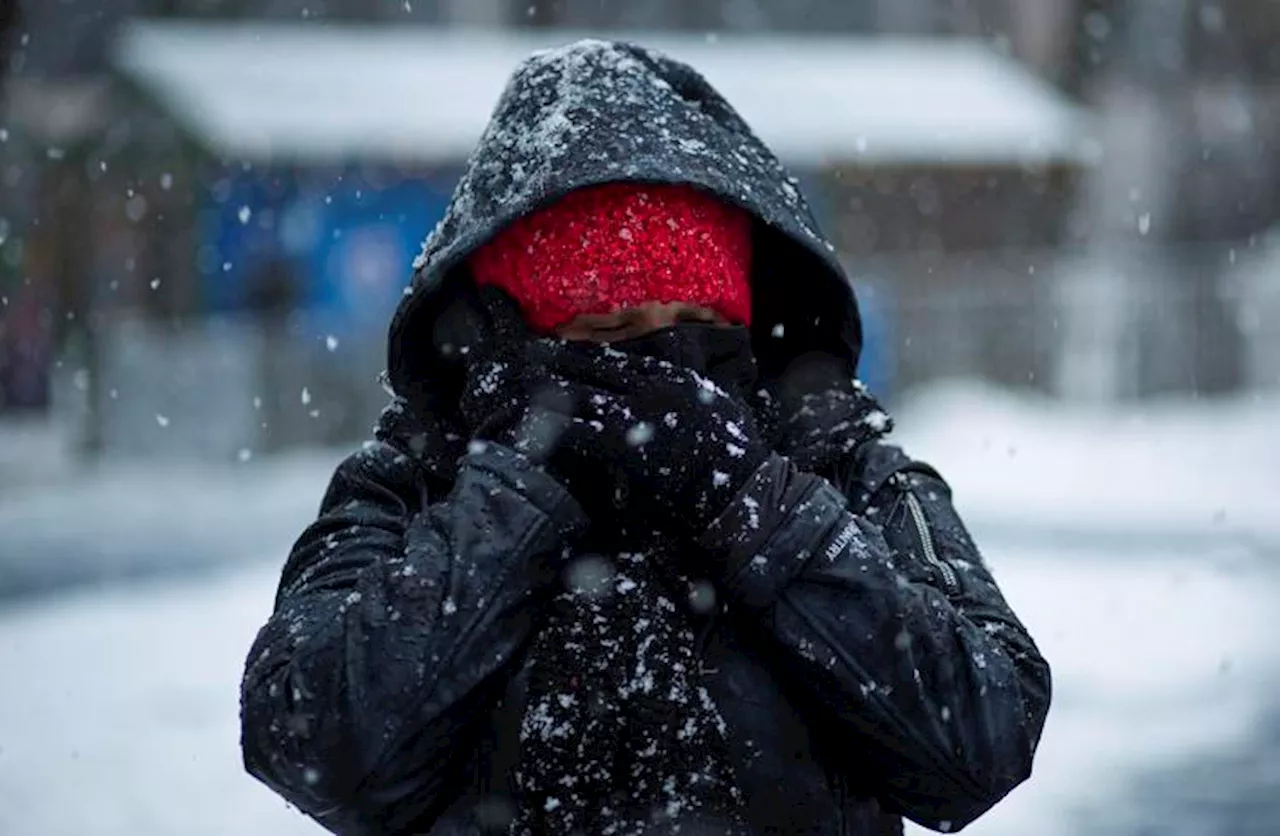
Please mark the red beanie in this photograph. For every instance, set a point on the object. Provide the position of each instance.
(604, 248)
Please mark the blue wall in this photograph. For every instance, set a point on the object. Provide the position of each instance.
(348, 237)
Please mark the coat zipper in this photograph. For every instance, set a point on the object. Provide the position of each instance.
(948, 573)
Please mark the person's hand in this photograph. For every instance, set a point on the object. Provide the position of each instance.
(498, 379)
(820, 429)
(509, 397)
(682, 446)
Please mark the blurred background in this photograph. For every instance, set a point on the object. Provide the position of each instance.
(1061, 217)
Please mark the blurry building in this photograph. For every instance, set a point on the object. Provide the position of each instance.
(1189, 120)
(1054, 193)
(342, 186)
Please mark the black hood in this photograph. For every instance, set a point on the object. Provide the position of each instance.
(597, 112)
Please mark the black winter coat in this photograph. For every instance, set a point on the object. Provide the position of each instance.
(863, 659)
(867, 665)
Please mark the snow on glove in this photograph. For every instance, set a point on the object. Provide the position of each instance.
(509, 397)
(682, 445)
(819, 429)
(498, 376)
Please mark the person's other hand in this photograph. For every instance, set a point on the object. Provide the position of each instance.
(682, 446)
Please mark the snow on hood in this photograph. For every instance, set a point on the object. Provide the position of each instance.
(596, 112)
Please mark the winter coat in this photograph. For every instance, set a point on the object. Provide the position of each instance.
(862, 657)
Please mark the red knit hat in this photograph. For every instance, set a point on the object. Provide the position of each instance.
(618, 245)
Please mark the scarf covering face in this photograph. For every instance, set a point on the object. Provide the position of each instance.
(620, 736)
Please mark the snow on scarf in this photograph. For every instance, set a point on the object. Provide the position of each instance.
(620, 737)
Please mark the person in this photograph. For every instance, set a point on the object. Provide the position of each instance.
(629, 552)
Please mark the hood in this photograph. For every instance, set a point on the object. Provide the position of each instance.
(597, 112)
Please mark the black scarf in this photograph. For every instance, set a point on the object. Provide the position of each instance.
(620, 736)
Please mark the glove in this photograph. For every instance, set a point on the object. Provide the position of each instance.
(681, 445)
(497, 375)
(820, 429)
(510, 398)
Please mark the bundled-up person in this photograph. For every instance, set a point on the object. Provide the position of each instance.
(630, 554)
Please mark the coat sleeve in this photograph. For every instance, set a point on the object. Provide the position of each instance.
(874, 599)
(393, 618)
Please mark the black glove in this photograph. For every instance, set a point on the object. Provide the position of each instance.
(820, 429)
(497, 374)
(682, 446)
(510, 398)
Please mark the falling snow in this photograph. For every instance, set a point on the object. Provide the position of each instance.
(640, 434)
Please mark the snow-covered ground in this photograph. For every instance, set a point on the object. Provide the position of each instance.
(1138, 549)
(119, 713)
(120, 520)
(1192, 470)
